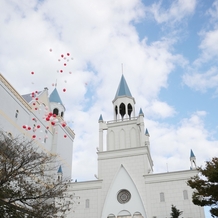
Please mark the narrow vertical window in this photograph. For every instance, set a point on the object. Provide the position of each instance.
(45, 136)
(185, 194)
(162, 198)
(87, 203)
(16, 114)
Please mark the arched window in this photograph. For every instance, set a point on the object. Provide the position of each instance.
(122, 110)
(162, 198)
(185, 194)
(137, 215)
(111, 216)
(87, 203)
(129, 110)
(55, 111)
(62, 114)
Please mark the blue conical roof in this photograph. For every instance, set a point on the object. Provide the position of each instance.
(141, 112)
(123, 89)
(54, 97)
(192, 154)
(100, 118)
(60, 169)
(146, 132)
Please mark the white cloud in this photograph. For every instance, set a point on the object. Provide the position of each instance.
(209, 50)
(177, 11)
(203, 73)
(175, 142)
(202, 81)
(158, 109)
(213, 11)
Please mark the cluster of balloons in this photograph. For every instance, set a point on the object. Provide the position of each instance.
(50, 118)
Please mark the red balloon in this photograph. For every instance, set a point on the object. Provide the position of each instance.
(32, 72)
(64, 90)
(34, 136)
(47, 127)
(65, 136)
(47, 118)
(37, 99)
(63, 124)
(65, 64)
(53, 123)
(62, 55)
(24, 126)
(68, 54)
(29, 128)
(54, 115)
(36, 108)
(38, 126)
(61, 71)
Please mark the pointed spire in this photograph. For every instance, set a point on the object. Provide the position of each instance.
(100, 119)
(141, 112)
(146, 132)
(54, 97)
(123, 89)
(192, 154)
(60, 170)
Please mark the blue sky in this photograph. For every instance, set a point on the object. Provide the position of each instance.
(169, 52)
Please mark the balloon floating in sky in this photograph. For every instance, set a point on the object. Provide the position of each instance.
(32, 73)
(64, 90)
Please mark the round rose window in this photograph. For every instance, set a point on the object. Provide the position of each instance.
(123, 196)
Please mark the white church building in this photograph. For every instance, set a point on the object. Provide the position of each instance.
(126, 186)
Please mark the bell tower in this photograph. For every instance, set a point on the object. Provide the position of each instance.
(126, 135)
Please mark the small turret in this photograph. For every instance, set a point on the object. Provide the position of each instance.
(192, 160)
(57, 106)
(60, 173)
(141, 113)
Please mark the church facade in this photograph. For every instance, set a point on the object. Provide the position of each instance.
(126, 186)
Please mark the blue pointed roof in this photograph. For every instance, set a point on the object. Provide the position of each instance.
(100, 118)
(54, 97)
(123, 89)
(60, 169)
(146, 132)
(192, 154)
(141, 112)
